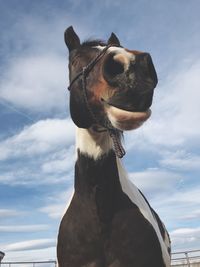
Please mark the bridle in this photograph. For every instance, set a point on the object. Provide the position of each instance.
(107, 126)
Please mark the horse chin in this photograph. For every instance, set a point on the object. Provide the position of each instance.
(126, 120)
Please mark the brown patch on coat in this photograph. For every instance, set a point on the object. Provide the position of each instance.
(102, 90)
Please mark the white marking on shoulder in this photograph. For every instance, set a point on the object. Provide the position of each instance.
(69, 201)
(135, 196)
(92, 143)
(167, 239)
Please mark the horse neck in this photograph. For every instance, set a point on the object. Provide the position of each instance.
(96, 164)
(93, 144)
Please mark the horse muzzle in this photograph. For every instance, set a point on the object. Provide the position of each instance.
(132, 83)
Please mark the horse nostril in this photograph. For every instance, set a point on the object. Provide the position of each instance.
(145, 63)
(112, 67)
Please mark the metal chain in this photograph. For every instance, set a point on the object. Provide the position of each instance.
(116, 138)
(118, 148)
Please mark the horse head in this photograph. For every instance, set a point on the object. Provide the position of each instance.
(109, 83)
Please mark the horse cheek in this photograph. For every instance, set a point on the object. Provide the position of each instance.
(79, 111)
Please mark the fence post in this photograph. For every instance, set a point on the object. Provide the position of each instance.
(187, 258)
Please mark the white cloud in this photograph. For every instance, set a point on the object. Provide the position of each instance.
(43, 154)
(178, 207)
(36, 83)
(188, 196)
(60, 162)
(32, 176)
(58, 204)
(175, 200)
(4, 213)
(176, 112)
(155, 181)
(23, 228)
(35, 76)
(181, 160)
(182, 237)
(42, 137)
(193, 213)
(29, 245)
(54, 211)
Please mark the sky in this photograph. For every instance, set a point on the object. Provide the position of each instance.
(37, 134)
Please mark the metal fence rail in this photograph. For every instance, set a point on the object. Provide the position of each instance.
(29, 264)
(186, 259)
(179, 259)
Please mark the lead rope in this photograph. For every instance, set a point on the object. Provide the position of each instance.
(118, 148)
(115, 136)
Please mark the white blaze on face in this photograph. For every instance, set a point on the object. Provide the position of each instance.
(121, 55)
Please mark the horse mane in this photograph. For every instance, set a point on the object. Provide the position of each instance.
(93, 42)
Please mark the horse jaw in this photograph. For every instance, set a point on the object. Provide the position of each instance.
(126, 120)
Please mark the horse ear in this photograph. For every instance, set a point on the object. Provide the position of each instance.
(113, 40)
(71, 39)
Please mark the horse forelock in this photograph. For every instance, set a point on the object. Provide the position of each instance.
(93, 43)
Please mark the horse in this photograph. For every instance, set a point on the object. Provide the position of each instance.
(109, 222)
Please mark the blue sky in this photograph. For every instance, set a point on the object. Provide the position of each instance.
(37, 135)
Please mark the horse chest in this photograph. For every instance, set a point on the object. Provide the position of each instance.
(102, 226)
